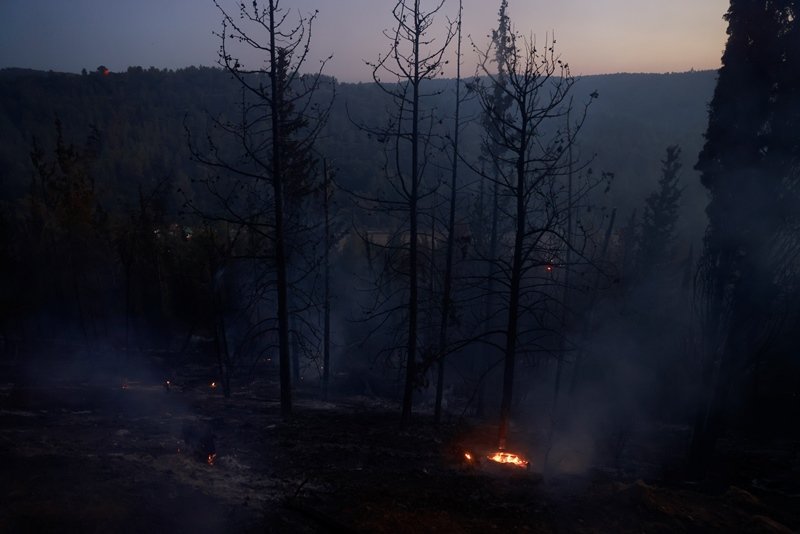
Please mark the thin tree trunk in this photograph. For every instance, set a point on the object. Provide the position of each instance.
(127, 307)
(294, 333)
(81, 314)
(280, 247)
(326, 348)
(587, 328)
(488, 313)
(223, 356)
(413, 230)
(451, 223)
(565, 295)
(513, 305)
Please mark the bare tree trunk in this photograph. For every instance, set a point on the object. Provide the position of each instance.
(451, 224)
(127, 307)
(589, 321)
(513, 304)
(81, 314)
(489, 320)
(408, 391)
(411, 66)
(294, 333)
(565, 295)
(326, 341)
(223, 356)
(280, 247)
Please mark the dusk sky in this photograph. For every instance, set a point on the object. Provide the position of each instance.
(594, 36)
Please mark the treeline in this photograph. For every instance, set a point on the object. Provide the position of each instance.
(140, 115)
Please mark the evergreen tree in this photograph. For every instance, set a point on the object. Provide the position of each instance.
(660, 215)
(748, 164)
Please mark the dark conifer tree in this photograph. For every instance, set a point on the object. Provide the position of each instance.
(748, 164)
(660, 215)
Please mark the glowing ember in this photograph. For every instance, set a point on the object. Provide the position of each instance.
(213, 385)
(509, 458)
(212, 458)
(468, 456)
(549, 268)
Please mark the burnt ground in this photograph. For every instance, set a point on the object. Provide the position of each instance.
(92, 456)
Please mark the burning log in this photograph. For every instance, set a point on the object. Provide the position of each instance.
(199, 441)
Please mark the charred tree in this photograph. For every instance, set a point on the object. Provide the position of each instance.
(264, 161)
(535, 159)
(414, 58)
(326, 336)
(451, 226)
(500, 102)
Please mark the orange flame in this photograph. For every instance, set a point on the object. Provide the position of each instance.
(213, 385)
(509, 458)
(468, 456)
(212, 458)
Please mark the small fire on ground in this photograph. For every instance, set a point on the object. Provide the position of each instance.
(212, 457)
(500, 457)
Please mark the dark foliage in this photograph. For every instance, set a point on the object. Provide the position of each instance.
(749, 164)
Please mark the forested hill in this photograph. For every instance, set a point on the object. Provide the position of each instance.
(140, 116)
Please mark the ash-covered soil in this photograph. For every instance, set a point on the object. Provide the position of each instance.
(94, 456)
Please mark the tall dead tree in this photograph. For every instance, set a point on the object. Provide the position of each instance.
(451, 227)
(414, 57)
(328, 243)
(530, 169)
(264, 160)
(491, 153)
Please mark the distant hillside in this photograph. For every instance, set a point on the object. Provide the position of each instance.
(636, 117)
(140, 115)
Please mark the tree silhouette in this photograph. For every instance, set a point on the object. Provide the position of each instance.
(749, 165)
(535, 159)
(264, 157)
(660, 215)
(414, 58)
